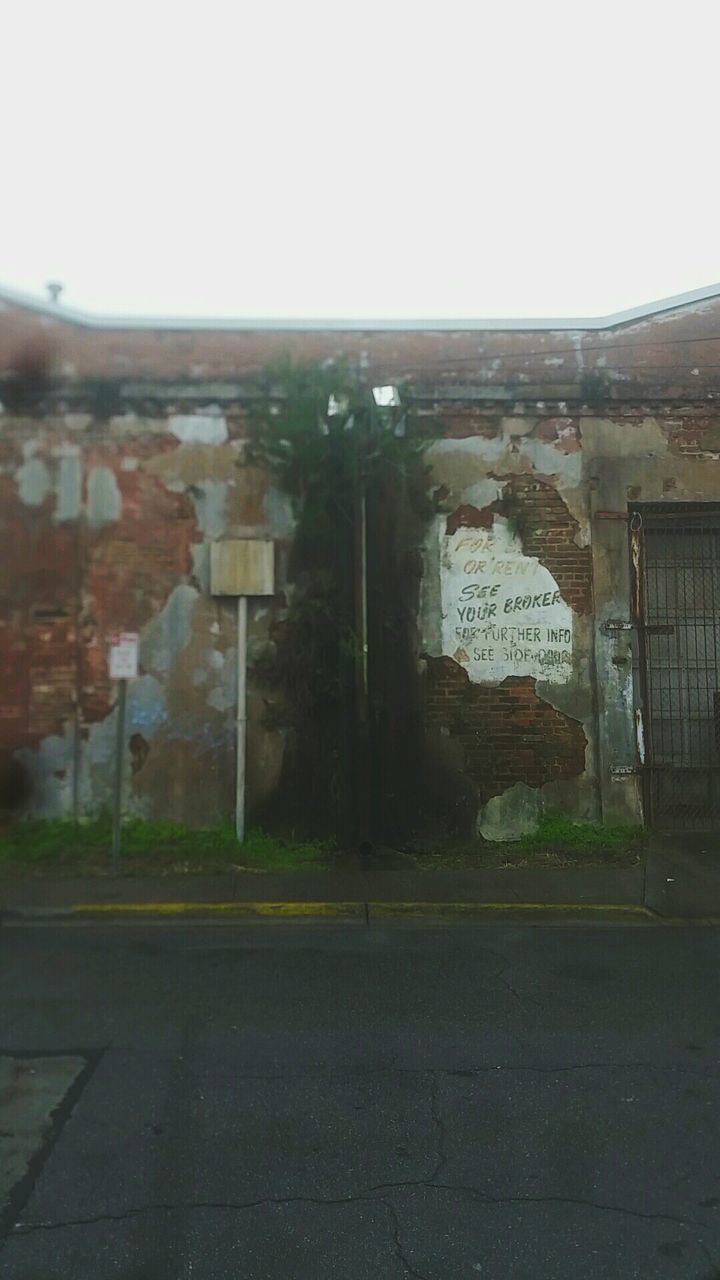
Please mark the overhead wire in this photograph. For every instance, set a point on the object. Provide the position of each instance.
(586, 349)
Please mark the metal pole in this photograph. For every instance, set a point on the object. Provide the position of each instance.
(241, 717)
(77, 696)
(361, 670)
(595, 680)
(117, 791)
(361, 770)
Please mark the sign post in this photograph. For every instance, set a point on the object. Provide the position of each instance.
(241, 727)
(123, 667)
(242, 567)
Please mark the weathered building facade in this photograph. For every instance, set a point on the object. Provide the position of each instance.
(560, 643)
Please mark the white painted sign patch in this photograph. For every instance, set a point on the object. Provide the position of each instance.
(502, 611)
(124, 655)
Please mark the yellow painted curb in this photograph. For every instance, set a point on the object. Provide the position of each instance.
(350, 909)
(221, 908)
(468, 908)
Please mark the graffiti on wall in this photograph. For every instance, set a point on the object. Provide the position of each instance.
(502, 612)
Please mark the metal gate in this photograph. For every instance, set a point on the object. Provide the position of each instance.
(676, 557)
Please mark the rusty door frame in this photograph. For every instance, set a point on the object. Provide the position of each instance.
(643, 722)
(644, 744)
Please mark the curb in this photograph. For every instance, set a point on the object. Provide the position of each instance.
(356, 910)
(341, 909)
(410, 909)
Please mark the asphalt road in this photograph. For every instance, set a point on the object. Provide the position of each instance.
(300, 1102)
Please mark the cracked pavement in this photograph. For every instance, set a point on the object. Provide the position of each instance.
(404, 1100)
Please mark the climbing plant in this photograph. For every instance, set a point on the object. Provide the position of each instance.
(318, 429)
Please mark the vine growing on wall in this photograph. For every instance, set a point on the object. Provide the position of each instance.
(319, 430)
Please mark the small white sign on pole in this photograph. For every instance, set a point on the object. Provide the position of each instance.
(124, 655)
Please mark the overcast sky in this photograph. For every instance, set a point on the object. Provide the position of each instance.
(380, 159)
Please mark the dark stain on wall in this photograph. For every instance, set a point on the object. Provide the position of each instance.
(15, 785)
(398, 509)
(139, 751)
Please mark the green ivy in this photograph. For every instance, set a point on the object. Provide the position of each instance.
(319, 432)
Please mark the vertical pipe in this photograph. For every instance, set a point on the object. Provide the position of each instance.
(117, 790)
(361, 771)
(595, 679)
(77, 618)
(241, 717)
(77, 700)
(361, 608)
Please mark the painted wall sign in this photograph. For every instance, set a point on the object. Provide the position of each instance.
(502, 612)
(124, 655)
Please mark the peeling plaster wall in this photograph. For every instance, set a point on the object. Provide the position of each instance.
(671, 356)
(134, 460)
(568, 513)
(506, 600)
(110, 525)
(503, 613)
(111, 520)
(649, 458)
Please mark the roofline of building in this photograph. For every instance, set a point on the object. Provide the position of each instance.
(72, 315)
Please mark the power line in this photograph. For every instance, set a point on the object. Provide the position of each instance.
(551, 353)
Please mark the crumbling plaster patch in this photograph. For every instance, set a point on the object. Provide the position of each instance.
(199, 428)
(49, 767)
(104, 500)
(168, 704)
(277, 507)
(192, 462)
(517, 811)
(33, 481)
(606, 438)
(169, 631)
(510, 815)
(191, 631)
(200, 553)
(460, 465)
(146, 714)
(209, 498)
(68, 488)
(230, 497)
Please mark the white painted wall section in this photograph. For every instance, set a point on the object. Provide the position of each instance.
(502, 611)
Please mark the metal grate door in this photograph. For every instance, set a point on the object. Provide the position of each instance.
(676, 550)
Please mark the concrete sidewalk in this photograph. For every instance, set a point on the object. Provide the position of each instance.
(683, 876)
(515, 887)
(679, 880)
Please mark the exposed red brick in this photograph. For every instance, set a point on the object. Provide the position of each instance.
(548, 530)
(468, 517)
(64, 587)
(507, 733)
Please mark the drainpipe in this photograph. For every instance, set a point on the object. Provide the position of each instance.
(597, 736)
(77, 708)
(362, 822)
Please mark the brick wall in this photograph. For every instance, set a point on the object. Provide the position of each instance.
(507, 734)
(549, 531)
(64, 586)
(669, 355)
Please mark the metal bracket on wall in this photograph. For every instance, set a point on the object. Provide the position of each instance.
(617, 624)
